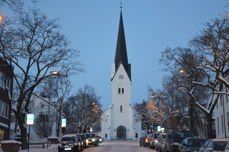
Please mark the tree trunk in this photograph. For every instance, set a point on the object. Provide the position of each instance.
(191, 116)
(23, 129)
(209, 126)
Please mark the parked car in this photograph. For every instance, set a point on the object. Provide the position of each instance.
(70, 142)
(161, 142)
(92, 139)
(191, 144)
(100, 139)
(214, 145)
(154, 140)
(148, 139)
(142, 141)
(145, 140)
(85, 141)
(174, 139)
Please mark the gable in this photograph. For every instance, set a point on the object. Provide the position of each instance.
(121, 71)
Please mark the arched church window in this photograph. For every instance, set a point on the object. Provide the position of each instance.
(120, 108)
(119, 90)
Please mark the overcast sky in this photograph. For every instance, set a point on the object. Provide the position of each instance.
(150, 27)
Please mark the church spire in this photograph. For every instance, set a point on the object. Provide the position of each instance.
(121, 53)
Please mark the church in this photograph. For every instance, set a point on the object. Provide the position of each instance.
(120, 120)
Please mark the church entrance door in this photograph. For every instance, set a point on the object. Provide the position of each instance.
(121, 132)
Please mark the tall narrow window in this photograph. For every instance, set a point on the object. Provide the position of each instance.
(122, 90)
(227, 95)
(222, 123)
(119, 90)
(120, 109)
(218, 124)
(228, 121)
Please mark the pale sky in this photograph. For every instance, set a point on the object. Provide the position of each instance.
(150, 26)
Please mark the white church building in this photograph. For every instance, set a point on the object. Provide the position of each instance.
(120, 120)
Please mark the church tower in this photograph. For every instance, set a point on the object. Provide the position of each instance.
(121, 111)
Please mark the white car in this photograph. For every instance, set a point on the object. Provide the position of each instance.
(161, 142)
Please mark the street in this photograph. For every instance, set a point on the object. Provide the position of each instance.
(119, 146)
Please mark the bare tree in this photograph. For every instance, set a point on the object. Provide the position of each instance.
(83, 110)
(213, 43)
(43, 125)
(185, 60)
(33, 45)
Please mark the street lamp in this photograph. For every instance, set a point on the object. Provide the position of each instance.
(1, 18)
(60, 102)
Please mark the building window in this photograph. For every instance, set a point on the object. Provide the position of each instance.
(4, 109)
(221, 100)
(222, 123)
(120, 109)
(13, 118)
(228, 121)
(122, 90)
(218, 125)
(1, 134)
(119, 90)
(227, 95)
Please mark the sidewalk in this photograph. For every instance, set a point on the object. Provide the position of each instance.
(52, 148)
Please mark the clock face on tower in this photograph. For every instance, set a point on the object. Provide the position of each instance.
(121, 76)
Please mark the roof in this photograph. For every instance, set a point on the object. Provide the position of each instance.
(121, 52)
(220, 139)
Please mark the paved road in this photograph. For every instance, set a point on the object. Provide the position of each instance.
(119, 146)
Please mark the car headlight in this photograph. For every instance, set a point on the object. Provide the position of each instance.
(156, 141)
(93, 139)
(87, 141)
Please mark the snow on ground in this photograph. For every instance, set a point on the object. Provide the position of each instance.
(52, 148)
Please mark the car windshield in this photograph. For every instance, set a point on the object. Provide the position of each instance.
(81, 136)
(67, 139)
(193, 142)
(177, 134)
(90, 135)
(219, 145)
(163, 136)
(179, 140)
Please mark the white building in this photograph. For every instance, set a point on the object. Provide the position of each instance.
(120, 120)
(221, 113)
(45, 118)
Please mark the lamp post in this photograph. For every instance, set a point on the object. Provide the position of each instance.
(59, 103)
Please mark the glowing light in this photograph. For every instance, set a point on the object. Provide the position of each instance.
(182, 71)
(1, 18)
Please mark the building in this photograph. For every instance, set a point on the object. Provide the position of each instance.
(120, 120)
(221, 113)
(45, 120)
(6, 85)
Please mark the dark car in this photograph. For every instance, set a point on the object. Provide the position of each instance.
(70, 143)
(100, 139)
(174, 139)
(84, 140)
(145, 140)
(214, 145)
(92, 139)
(191, 144)
(154, 140)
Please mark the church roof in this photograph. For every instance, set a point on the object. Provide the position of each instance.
(121, 52)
